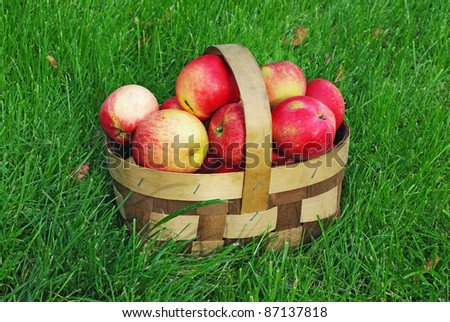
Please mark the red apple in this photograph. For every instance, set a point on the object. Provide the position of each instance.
(171, 102)
(124, 109)
(326, 92)
(303, 128)
(205, 84)
(226, 133)
(210, 164)
(283, 79)
(331, 147)
(278, 159)
(224, 168)
(170, 140)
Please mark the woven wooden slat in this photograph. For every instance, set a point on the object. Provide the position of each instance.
(250, 225)
(178, 228)
(211, 227)
(292, 236)
(321, 206)
(289, 215)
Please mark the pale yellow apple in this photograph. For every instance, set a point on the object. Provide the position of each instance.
(283, 79)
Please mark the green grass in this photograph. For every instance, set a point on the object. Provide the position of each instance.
(61, 239)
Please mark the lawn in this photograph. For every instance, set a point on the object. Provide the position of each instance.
(61, 238)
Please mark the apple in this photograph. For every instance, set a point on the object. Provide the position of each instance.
(214, 164)
(224, 168)
(170, 140)
(124, 109)
(205, 84)
(283, 79)
(226, 133)
(171, 102)
(210, 163)
(279, 159)
(326, 92)
(302, 127)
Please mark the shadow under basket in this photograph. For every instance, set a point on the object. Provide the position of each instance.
(285, 202)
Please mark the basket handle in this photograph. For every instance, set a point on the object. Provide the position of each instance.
(258, 124)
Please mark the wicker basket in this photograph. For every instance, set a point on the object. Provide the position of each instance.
(285, 202)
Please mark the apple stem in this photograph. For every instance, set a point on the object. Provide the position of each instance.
(321, 116)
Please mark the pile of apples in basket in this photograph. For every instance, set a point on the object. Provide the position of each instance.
(202, 128)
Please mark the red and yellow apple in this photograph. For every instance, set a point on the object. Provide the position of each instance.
(226, 133)
(283, 79)
(205, 84)
(326, 92)
(170, 140)
(124, 109)
(303, 128)
(171, 102)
